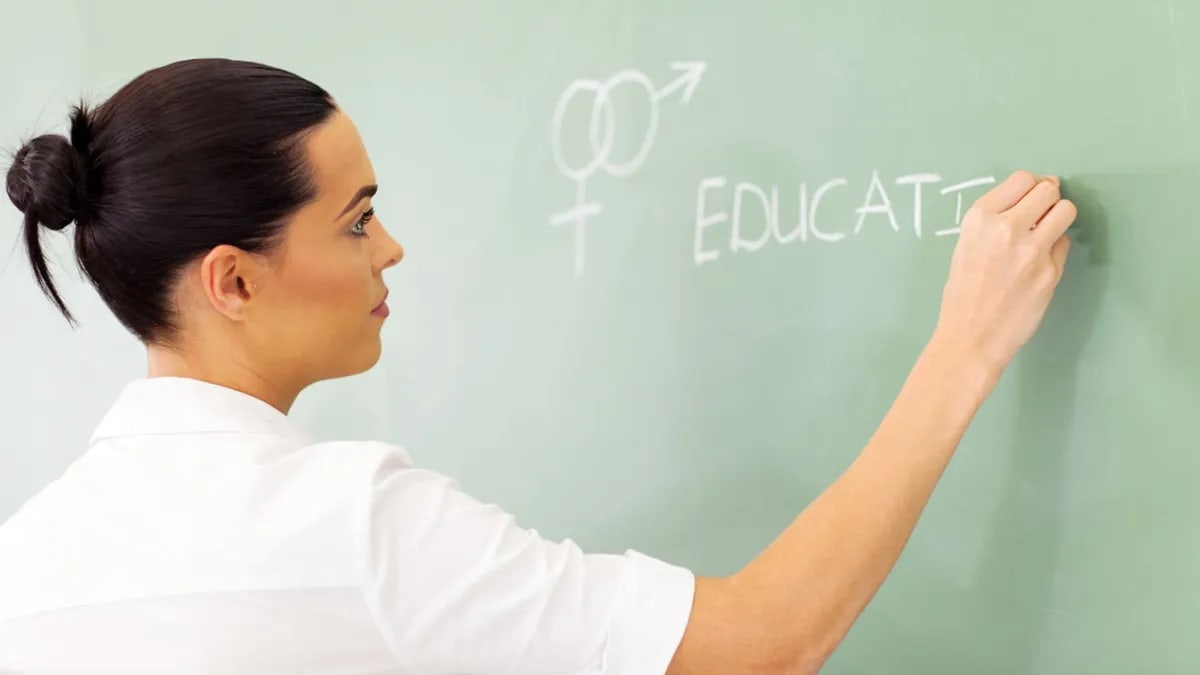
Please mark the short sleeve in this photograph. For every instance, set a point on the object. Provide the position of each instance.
(456, 586)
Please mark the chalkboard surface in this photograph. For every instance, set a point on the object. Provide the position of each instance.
(668, 264)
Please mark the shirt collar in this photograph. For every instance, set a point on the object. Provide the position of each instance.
(178, 405)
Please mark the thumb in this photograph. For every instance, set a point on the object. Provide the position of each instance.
(1058, 254)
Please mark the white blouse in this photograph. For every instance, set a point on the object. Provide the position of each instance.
(201, 532)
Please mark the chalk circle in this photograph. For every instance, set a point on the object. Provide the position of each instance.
(604, 103)
(600, 151)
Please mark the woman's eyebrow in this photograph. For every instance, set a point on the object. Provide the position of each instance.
(363, 193)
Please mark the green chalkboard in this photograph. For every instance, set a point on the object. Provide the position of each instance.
(667, 269)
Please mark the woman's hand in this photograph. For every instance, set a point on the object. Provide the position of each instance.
(1008, 261)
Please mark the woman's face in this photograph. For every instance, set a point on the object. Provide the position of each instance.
(318, 307)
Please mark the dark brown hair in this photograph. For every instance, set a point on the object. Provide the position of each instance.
(181, 159)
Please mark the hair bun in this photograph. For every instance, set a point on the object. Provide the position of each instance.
(48, 181)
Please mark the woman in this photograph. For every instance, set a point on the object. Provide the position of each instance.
(223, 211)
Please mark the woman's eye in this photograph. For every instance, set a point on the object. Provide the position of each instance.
(359, 229)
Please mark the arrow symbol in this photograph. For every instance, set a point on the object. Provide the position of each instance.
(691, 71)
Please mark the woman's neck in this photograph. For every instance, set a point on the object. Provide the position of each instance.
(227, 368)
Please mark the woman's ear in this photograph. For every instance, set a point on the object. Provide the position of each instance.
(228, 275)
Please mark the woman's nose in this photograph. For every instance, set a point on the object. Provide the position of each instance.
(391, 251)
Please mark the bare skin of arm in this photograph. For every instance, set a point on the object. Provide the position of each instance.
(790, 607)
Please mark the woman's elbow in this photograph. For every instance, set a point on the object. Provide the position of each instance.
(735, 627)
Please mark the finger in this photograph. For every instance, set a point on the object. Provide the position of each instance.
(1054, 224)
(1034, 205)
(1006, 194)
(1058, 253)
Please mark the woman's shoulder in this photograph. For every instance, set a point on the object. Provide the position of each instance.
(360, 459)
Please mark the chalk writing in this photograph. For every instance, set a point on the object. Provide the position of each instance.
(754, 219)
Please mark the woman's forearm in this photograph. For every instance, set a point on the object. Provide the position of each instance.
(812, 583)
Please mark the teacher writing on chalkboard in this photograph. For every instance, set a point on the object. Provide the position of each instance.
(223, 212)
